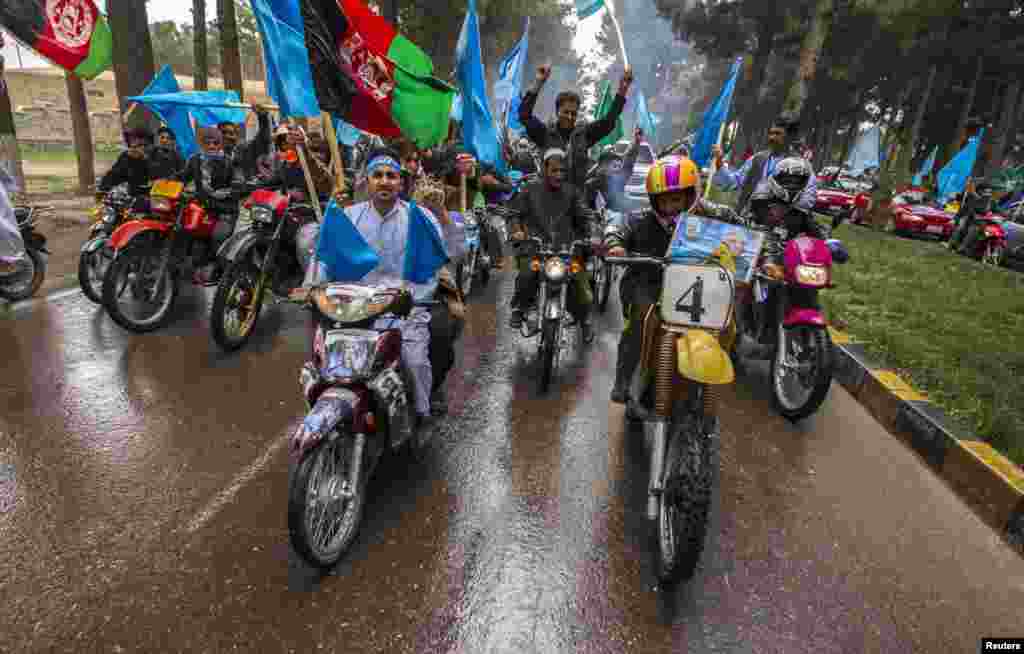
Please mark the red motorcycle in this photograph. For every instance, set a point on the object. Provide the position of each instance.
(257, 260)
(152, 254)
(990, 247)
(361, 407)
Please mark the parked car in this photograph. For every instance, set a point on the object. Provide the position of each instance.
(1013, 256)
(909, 215)
(843, 199)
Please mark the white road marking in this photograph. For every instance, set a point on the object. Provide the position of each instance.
(214, 506)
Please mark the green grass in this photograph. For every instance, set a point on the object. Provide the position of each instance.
(951, 325)
(64, 155)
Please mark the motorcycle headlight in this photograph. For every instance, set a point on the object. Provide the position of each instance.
(109, 215)
(554, 269)
(161, 205)
(993, 232)
(262, 215)
(811, 275)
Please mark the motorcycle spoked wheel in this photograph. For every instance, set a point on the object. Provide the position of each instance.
(236, 306)
(322, 524)
(26, 282)
(808, 372)
(681, 529)
(130, 272)
(92, 269)
(467, 273)
(548, 353)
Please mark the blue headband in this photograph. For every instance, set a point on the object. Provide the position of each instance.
(382, 160)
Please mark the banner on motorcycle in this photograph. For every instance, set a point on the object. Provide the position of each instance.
(700, 237)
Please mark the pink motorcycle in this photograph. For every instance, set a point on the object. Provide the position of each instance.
(779, 318)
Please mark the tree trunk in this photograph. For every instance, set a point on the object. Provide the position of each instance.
(810, 50)
(10, 156)
(965, 111)
(133, 56)
(230, 57)
(82, 132)
(200, 68)
(922, 106)
(1005, 127)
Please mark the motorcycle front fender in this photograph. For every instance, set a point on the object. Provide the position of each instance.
(806, 316)
(94, 244)
(126, 232)
(701, 358)
(334, 407)
(238, 245)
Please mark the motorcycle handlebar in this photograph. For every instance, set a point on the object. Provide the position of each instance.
(635, 260)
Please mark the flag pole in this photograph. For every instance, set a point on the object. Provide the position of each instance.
(339, 169)
(714, 166)
(314, 198)
(618, 30)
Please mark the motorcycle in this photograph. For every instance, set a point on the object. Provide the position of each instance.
(257, 260)
(96, 254)
(684, 354)
(25, 282)
(475, 264)
(360, 408)
(780, 316)
(549, 317)
(990, 247)
(602, 273)
(152, 253)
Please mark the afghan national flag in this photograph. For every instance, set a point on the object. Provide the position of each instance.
(73, 34)
(386, 84)
(604, 106)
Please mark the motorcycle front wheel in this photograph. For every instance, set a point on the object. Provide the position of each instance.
(236, 305)
(993, 255)
(681, 529)
(467, 273)
(548, 348)
(801, 378)
(26, 282)
(130, 287)
(322, 521)
(92, 268)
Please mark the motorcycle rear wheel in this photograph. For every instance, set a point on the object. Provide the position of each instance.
(548, 345)
(681, 529)
(136, 258)
(797, 406)
(26, 283)
(238, 284)
(318, 538)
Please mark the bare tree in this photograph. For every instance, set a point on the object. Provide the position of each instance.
(200, 74)
(82, 132)
(230, 56)
(133, 55)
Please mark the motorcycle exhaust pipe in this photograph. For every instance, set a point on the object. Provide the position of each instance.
(659, 442)
(356, 467)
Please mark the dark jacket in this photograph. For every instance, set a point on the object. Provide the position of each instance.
(127, 169)
(556, 217)
(575, 142)
(290, 177)
(165, 163)
(753, 177)
(610, 179)
(244, 155)
(207, 174)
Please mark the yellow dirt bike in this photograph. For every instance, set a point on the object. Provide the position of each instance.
(686, 340)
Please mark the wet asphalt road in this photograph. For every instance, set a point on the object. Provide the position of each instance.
(143, 485)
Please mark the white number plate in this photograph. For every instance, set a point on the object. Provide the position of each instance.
(697, 296)
(934, 229)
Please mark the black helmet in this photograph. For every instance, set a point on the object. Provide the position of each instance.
(793, 174)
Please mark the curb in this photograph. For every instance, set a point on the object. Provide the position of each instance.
(991, 484)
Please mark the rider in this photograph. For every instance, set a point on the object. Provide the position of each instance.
(612, 174)
(132, 167)
(673, 186)
(565, 134)
(977, 201)
(788, 183)
(383, 222)
(554, 211)
(212, 175)
(243, 156)
(12, 246)
(164, 159)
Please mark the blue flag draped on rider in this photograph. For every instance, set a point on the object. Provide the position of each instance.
(479, 134)
(349, 257)
(587, 8)
(953, 176)
(926, 169)
(424, 250)
(714, 118)
(289, 77)
(508, 88)
(865, 152)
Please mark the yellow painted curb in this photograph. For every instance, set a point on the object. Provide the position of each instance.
(900, 388)
(1013, 474)
(839, 337)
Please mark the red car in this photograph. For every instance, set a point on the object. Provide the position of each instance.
(907, 217)
(842, 200)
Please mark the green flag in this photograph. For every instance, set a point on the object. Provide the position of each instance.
(603, 107)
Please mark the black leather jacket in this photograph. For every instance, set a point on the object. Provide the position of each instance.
(557, 217)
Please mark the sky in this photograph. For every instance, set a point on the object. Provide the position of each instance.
(181, 11)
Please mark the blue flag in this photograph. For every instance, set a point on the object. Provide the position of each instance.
(176, 118)
(175, 109)
(348, 257)
(866, 152)
(508, 88)
(953, 176)
(424, 250)
(926, 169)
(645, 120)
(289, 77)
(456, 112)
(478, 131)
(347, 134)
(163, 82)
(587, 8)
(714, 117)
